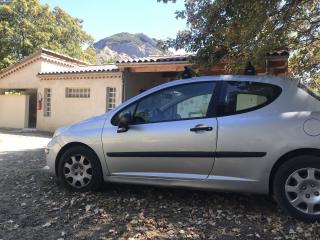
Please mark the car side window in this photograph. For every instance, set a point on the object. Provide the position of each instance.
(127, 110)
(243, 97)
(194, 107)
(175, 103)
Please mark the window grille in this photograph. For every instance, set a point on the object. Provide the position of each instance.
(77, 92)
(47, 102)
(111, 98)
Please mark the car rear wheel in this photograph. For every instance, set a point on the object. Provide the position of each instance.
(80, 170)
(297, 187)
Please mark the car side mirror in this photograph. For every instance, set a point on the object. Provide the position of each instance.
(124, 122)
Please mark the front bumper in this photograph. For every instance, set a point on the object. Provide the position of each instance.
(51, 152)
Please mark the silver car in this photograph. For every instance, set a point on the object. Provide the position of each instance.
(256, 134)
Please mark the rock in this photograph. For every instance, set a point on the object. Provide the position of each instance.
(125, 46)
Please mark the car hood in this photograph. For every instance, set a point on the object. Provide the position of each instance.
(87, 124)
(91, 119)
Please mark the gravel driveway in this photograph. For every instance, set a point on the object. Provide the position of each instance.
(34, 206)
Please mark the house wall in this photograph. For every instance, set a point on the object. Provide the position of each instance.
(50, 66)
(65, 111)
(25, 77)
(14, 111)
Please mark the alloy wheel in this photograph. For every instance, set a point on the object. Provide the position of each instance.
(77, 171)
(302, 190)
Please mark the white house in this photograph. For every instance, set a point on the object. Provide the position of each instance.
(48, 90)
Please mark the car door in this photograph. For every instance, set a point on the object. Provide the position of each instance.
(173, 134)
(249, 130)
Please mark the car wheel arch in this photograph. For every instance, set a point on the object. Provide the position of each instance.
(288, 156)
(66, 148)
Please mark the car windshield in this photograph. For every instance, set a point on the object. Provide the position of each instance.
(308, 90)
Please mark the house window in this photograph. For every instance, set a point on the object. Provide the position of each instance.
(111, 98)
(77, 92)
(47, 102)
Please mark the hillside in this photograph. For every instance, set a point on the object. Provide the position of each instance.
(123, 46)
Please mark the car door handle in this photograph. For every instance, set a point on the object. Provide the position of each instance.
(201, 128)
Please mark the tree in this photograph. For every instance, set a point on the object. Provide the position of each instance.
(237, 31)
(26, 26)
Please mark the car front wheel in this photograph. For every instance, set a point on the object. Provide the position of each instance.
(80, 170)
(297, 187)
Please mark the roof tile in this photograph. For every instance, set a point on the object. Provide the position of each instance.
(157, 59)
(84, 69)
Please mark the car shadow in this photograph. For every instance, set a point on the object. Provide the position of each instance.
(249, 203)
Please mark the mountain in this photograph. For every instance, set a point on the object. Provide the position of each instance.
(124, 46)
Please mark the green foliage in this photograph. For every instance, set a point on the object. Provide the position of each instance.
(314, 83)
(236, 31)
(26, 26)
(125, 37)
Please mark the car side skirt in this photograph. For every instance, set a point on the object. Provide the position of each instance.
(214, 183)
(188, 154)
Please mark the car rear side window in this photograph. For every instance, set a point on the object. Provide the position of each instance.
(240, 97)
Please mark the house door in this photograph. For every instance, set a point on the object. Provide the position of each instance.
(32, 121)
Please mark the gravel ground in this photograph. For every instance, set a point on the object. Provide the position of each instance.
(34, 206)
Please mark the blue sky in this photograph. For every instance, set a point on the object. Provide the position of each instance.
(103, 18)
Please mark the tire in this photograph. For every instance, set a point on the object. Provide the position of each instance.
(296, 187)
(79, 170)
